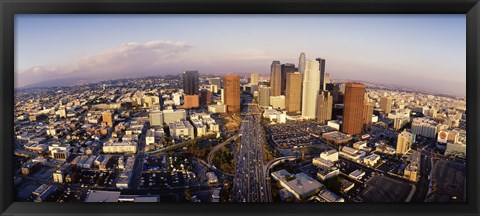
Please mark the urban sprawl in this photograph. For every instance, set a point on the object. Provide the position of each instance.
(295, 135)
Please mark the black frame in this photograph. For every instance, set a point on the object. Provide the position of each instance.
(11, 7)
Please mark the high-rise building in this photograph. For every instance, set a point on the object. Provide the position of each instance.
(311, 85)
(253, 78)
(190, 101)
(275, 78)
(321, 68)
(107, 118)
(337, 95)
(293, 92)
(190, 82)
(205, 97)
(324, 106)
(386, 104)
(367, 113)
(217, 81)
(353, 108)
(404, 142)
(301, 63)
(264, 96)
(232, 92)
(286, 69)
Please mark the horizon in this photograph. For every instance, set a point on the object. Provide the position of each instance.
(56, 47)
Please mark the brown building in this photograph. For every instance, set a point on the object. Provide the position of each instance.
(293, 92)
(386, 104)
(367, 114)
(353, 119)
(231, 86)
(324, 106)
(107, 118)
(190, 101)
(205, 97)
(276, 79)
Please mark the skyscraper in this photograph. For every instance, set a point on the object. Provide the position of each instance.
(276, 78)
(324, 106)
(353, 108)
(205, 97)
(286, 69)
(253, 78)
(404, 142)
(301, 63)
(386, 104)
(293, 92)
(217, 82)
(322, 73)
(367, 113)
(190, 89)
(190, 82)
(263, 96)
(311, 85)
(232, 92)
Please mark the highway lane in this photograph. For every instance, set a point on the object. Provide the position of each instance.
(250, 184)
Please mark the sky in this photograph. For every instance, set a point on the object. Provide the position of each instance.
(426, 52)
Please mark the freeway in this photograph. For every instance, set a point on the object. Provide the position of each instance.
(249, 184)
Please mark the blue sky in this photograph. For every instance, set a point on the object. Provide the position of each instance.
(419, 51)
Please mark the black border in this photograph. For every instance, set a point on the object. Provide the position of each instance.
(11, 7)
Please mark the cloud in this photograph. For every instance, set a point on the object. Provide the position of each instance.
(129, 59)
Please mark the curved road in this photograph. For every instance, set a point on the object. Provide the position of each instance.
(218, 147)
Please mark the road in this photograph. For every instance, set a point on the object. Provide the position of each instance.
(249, 183)
(218, 147)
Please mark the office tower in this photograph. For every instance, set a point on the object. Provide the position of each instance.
(217, 81)
(311, 85)
(275, 78)
(190, 82)
(329, 87)
(404, 142)
(386, 104)
(264, 96)
(324, 106)
(321, 68)
(337, 95)
(367, 113)
(353, 108)
(190, 101)
(205, 97)
(293, 92)
(107, 118)
(190, 89)
(286, 69)
(301, 63)
(253, 78)
(232, 92)
(156, 118)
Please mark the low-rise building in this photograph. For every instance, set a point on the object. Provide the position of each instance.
(337, 137)
(329, 196)
(182, 130)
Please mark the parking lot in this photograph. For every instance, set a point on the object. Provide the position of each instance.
(97, 179)
(449, 182)
(384, 189)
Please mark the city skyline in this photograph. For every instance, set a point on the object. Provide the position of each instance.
(84, 49)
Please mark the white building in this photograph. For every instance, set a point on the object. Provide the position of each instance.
(371, 160)
(331, 155)
(182, 130)
(275, 116)
(119, 147)
(311, 86)
(171, 116)
(217, 108)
